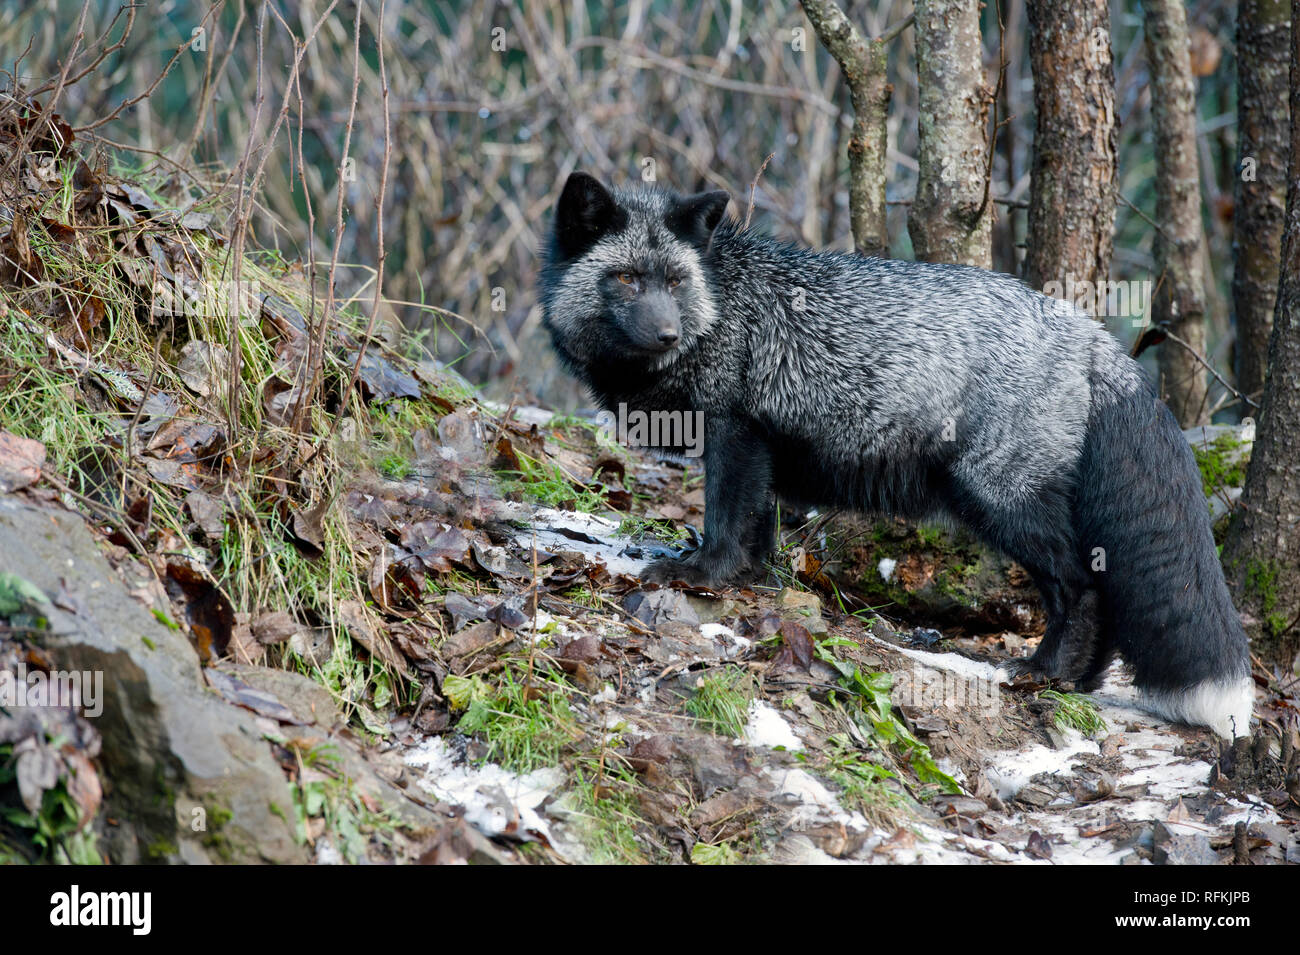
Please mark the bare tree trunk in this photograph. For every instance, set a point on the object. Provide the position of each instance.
(1263, 29)
(1178, 301)
(1262, 552)
(1072, 190)
(951, 215)
(863, 63)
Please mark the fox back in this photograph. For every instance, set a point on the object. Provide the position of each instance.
(892, 370)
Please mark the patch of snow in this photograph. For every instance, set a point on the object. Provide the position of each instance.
(952, 662)
(939, 847)
(527, 414)
(732, 645)
(1009, 772)
(496, 801)
(886, 568)
(546, 526)
(541, 620)
(326, 853)
(814, 803)
(767, 727)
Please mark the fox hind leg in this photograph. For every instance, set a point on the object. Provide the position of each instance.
(1040, 537)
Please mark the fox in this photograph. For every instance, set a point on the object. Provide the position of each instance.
(925, 391)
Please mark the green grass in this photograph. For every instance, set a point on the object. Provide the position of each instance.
(862, 783)
(639, 528)
(1073, 711)
(395, 467)
(867, 701)
(720, 702)
(603, 812)
(327, 793)
(525, 726)
(548, 485)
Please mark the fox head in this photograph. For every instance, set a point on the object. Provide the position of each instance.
(625, 273)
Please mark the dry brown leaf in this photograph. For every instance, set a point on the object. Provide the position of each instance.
(21, 460)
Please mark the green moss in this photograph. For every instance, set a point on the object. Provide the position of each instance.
(162, 849)
(1261, 583)
(214, 838)
(218, 816)
(1217, 465)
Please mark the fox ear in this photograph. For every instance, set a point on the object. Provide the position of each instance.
(586, 211)
(695, 217)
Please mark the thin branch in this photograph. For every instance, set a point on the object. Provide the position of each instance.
(379, 219)
(753, 188)
(126, 103)
(1208, 367)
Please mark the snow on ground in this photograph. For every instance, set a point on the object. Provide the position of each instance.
(766, 727)
(496, 801)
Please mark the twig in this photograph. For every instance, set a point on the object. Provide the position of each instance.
(753, 188)
(129, 9)
(316, 335)
(897, 28)
(50, 107)
(1208, 367)
(131, 101)
(382, 251)
(993, 133)
(1142, 215)
(641, 55)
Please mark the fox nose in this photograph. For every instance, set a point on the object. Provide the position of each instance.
(668, 337)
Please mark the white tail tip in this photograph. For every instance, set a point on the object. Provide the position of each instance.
(1223, 707)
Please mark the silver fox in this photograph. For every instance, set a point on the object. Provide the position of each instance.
(909, 389)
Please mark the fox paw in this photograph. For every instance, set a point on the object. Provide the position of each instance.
(1034, 671)
(691, 572)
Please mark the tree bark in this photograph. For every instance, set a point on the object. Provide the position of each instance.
(951, 215)
(1072, 185)
(1262, 552)
(1263, 29)
(863, 63)
(1178, 300)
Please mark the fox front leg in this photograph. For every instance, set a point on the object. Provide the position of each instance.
(737, 493)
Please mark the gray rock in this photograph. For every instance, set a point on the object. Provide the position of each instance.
(308, 700)
(655, 608)
(1178, 848)
(187, 777)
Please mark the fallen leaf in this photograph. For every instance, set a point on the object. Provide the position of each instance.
(275, 626)
(471, 640)
(208, 513)
(234, 690)
(21, 460)
(380, 381)
(361, 628)
(204, 367)
(796, 639)
(308, 528)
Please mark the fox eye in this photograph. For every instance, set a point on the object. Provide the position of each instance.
(627, 278)
(674, 281)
